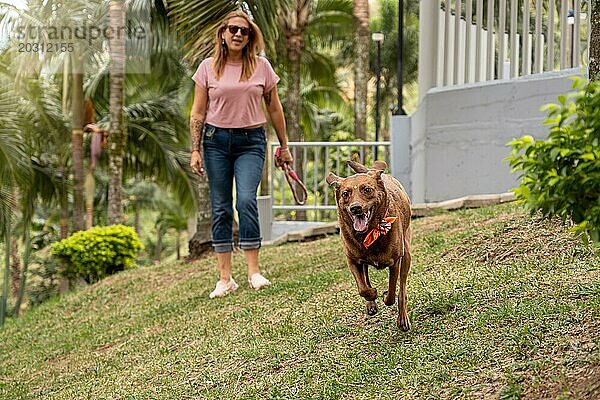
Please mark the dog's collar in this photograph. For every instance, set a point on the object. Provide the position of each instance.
(381, 229)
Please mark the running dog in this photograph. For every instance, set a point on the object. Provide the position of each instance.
(374, 215)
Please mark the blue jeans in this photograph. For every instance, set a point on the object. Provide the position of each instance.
(229, 154)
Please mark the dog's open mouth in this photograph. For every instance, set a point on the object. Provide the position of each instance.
(361, 221)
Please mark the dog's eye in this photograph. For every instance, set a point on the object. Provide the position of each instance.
(345, 194)
(368, 190)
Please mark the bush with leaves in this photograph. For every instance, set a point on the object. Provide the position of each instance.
(561, 174)
(43, 279)
(97, 252)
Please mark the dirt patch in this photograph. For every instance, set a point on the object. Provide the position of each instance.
(579, 383)
(424, 226)
(513, 237)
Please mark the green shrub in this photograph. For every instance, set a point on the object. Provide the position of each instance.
(97, 252)
(561, 174)
(43, 279)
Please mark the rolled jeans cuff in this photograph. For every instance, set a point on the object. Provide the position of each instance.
(223, 247)
(250, 245)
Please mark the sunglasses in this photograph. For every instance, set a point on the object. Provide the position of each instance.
(233, 29)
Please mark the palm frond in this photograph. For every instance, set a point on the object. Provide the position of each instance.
(197, 21)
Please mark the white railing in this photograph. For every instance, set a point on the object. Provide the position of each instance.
(313, 161)
(466, 41)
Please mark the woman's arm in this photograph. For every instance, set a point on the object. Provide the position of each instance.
(197, 117)
(275, 111)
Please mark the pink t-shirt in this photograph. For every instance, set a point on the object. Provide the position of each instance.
(231, 103)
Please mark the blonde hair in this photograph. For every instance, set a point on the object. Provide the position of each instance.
(255, 45)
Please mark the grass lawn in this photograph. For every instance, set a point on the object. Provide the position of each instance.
(502, 306)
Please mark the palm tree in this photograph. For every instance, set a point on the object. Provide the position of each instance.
(42, 128)
(294, 17)
(59, 14)
(15, 171)
(117, 134)
(39, 109)
(144, 112)
(197, 20)
(310, 30)
(362, 38)
(304, 22)
(170, 217)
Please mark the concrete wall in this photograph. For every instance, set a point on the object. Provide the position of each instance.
(458, 134)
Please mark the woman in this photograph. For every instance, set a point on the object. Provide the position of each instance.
(228, 139)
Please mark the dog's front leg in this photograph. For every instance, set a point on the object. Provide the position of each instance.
(389, 297)
(361, 276)
(403, 321)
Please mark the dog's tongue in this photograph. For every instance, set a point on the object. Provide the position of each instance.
(360, 222)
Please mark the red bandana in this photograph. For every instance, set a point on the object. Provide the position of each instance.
(382, 229)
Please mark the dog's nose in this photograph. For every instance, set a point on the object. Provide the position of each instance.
(356, 209)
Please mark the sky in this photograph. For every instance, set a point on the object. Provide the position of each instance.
(17, 3)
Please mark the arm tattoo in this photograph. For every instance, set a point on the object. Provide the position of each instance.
(268, 98)
(196, 126)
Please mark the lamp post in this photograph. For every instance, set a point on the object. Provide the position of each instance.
(377, 38)
(400, 58)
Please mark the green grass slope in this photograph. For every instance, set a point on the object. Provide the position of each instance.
(502, 306)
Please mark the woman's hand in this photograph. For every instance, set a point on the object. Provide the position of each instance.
(196, 163)
(285, 156)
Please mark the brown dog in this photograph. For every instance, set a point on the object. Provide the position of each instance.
(374, 214)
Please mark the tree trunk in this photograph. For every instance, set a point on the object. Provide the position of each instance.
(595, 42)
(117, 134)
(64, 205)
(294, 18)
(23, 280)
(158, 249)
(296, 23)
(90, 190)
(294, 111)
(63, 285)
(178, 244)
(77, 145)
(6, 277)
(200, 244)
(294, 105)
(360, 9)
(15, 268)
(137, 225)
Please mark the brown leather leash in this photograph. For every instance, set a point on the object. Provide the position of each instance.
(292, 178)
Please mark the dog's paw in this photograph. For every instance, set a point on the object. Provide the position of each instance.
(388, 300)
(371, 308)
(403, 323)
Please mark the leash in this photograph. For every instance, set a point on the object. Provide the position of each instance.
(292, 179)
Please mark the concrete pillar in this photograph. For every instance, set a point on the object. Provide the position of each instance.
(400, 150)
(265, 216)
(428, 42)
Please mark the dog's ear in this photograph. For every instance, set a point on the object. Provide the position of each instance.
(380, 165)
(375, 173)
(357, 167)
(333, 180)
